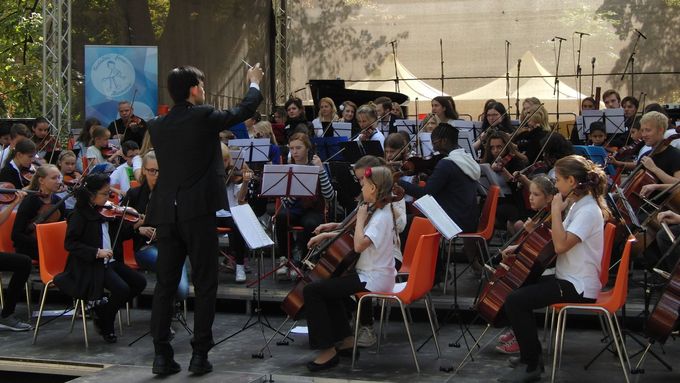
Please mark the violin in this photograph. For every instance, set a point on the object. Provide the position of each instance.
(8, 193)
(108, 151)
(112, 211)
(27, 175)
(629, 150)
(500, 162)
(416, 165)
(133, 122)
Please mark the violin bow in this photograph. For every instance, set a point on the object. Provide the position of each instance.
(379, 119)
(120, 225)
(132, 113)
(643, 97)
(547, 139)
(512, 136)
(417, 132)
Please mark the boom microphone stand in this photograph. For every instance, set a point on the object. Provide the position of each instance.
(631, 62)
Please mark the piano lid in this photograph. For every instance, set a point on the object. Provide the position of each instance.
(335, 89)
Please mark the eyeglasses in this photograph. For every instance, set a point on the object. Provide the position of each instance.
(151, 171)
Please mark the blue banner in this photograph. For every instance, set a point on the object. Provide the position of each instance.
(120, 73)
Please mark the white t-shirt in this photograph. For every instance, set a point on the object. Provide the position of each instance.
(400, 215)
(121, 177)
(376, 264)
(581, 264)
(93, 152)
(4, 154)
(377, 136)
(137, 163)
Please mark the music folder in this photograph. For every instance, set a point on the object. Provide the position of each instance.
(250, 227)
(434, 212)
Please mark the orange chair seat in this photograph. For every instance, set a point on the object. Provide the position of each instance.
(223, 230)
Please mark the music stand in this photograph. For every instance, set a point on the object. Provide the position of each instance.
(353, 150)
(466, 140)
(288, 181)
(328, 148)
(612, 119)
(254, 149)
(237, 158)
(426, 149)
(344, 181)
(342, 129)
(408, 126)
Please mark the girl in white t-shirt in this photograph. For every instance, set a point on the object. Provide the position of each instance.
(374, 239)
(578, 240)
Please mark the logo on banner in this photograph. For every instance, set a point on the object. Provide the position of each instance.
(113, 75)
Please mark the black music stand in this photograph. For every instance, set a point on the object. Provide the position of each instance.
(288, 181)
(353, 150)
(253, 149)
(612, 119)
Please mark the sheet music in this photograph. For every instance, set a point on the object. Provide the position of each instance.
(612, 118)
(463, 124)
(237, 158)
(290, 180)
(408, 126)
(465, 141)
(254, 149)
(426, 148)
(434, 212)
(342, 129)
(250, 227)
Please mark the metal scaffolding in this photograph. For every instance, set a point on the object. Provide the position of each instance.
(281, 67)
(56, 61)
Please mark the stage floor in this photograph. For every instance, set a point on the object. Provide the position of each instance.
(60, 353)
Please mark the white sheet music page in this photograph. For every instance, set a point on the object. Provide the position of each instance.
(434, 212)
(250, 227)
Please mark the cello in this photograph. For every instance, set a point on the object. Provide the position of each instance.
(333, 257)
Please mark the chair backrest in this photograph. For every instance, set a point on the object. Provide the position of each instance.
(51, 253)
(6, 243)
(488, 219)
(609, 232)
(84, 160)
(134, 184)
(129, 254)
(421, 278)
(620, 291)
(419, 226)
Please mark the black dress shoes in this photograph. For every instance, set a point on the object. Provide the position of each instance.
(332, 362)
(199, 364)
(165, 365)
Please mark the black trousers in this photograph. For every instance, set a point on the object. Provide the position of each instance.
(123, 284)
(327, 319)
(309, 219)
(20, 266)
(654, 253)
(236, 242)
(519, 308)
(195, 237)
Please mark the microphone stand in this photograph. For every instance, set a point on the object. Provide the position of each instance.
(441, 56)
(507, 71)
(631, 62)
(519, 63)
(556, 89)
(396, 72)
(578, 63)
(592, 80)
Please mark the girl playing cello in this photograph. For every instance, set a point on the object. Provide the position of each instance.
(374, 238)
(578, 242)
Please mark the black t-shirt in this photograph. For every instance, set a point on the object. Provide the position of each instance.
(529, 143)
(132, 133)
(668, 160)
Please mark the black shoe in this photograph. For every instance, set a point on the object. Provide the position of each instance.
(110, 337)
(515, 361)
(346, 352)
(165, 365)
(199, 364)
(332, 362)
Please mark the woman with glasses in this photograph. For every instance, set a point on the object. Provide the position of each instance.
(144, 235)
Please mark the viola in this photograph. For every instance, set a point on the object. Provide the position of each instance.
(133, 122)
(112, 211)
(27, 175)
(334, 257)
(629, 150)
(416, 165)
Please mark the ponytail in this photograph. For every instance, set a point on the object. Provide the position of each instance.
(589, 176)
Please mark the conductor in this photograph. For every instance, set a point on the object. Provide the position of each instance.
(183, 204)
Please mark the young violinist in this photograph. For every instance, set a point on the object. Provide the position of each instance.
(367, 118)
(505, 159)
(307, 212)
(69, 177)
(495, 116)
(124, 173)
(237, 192)
(20, 266)
(263, 129)
(578, 240)
(541, 192)
(597, 135)
(453, 185)
(144, 236)
(323, 124)
(528, 139)
(374, 239)
(84, 141)
(37, 208)
(95, 256)
(20, 169)
(45, 142)
(17, 132)
(100, 140)
(431, 122)
(367, 336)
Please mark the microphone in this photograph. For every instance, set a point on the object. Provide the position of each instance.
(519, 62)
(558, 38)
(582, 33)
(592, 61)
(640, 33)
(392, 42)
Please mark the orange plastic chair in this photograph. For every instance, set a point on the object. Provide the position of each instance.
(129, 254)
(485, 227)
(419, 283)
(607, 303)
(52, 257)
(419, 226)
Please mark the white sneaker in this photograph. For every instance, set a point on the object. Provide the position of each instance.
(13, 323)
(367, 337)
(240, 274)
(282, 271)
(293, 274)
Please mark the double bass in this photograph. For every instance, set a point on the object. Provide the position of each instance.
(334, 257)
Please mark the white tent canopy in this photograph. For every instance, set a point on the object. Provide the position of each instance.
(540, 87)
(413, 88)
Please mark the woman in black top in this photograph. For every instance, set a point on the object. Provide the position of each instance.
(20, 161)
(35, 208)
(95, 260)
(297, 122)
(528, 139)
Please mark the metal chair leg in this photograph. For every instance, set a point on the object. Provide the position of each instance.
(380, 326)
(120, 323)
(29, 306)
(556, 352)
(356, 331)
(127, 313)
(82, 311)
(613, 331)
(75, 314)
(408, 333)
(434, 331)
(2, 295)
(623, 345)
(40, 311)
